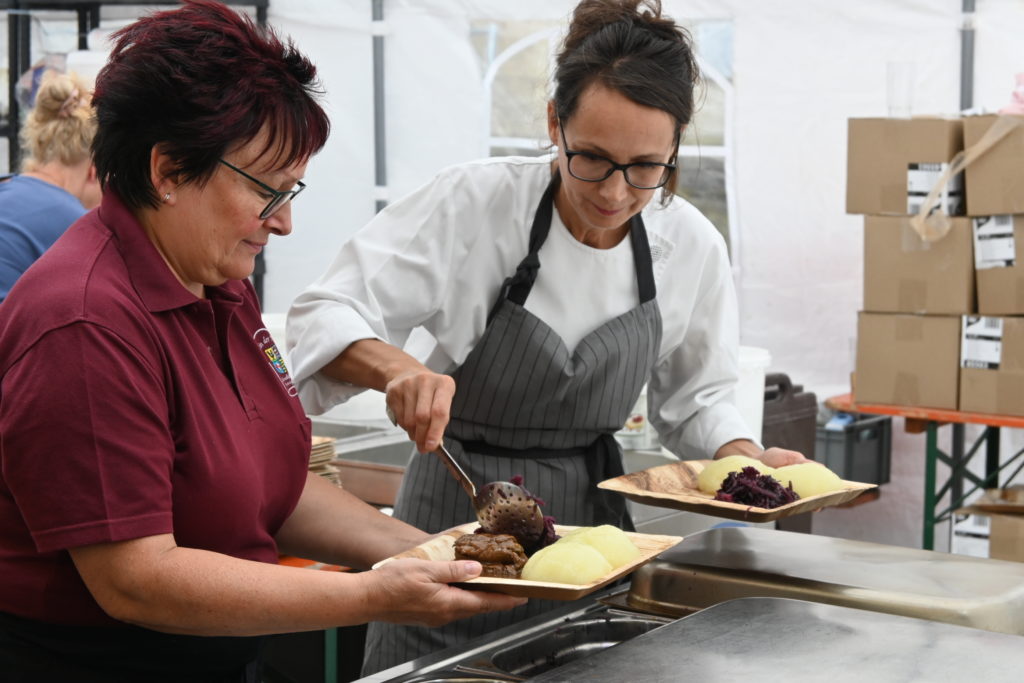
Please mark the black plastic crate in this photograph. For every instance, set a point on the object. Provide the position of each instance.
(790, 415)
(860, 452)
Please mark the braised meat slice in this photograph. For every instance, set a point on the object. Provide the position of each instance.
(500, 554)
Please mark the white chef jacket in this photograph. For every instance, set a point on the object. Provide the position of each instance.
(436, 260)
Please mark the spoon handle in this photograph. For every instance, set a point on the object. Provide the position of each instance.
(456, 471)
(448, 461)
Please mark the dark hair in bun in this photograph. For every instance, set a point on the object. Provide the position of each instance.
(630, 47)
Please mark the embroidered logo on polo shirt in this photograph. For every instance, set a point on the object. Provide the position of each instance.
(273, 355)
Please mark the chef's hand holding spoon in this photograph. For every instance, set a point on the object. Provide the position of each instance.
(419, 398)
(420, 402)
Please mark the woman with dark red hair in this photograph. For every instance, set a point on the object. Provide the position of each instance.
(154, 454)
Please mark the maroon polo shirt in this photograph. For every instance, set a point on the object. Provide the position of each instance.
(128, 408)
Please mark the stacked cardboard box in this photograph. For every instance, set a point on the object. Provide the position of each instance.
(992, 365)
(992, 355)
(938, 327)
(908, 335)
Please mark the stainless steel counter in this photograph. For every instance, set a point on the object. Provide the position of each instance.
(761, 604)
(775, 639)
(743, 581)
(723, 564)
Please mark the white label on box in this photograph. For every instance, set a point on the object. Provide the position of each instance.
(921, 178)
(981, 342)
(993, 242)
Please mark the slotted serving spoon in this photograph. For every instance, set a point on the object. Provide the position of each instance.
(501, 506)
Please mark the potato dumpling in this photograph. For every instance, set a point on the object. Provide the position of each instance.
(572, 563)
(710, 479)
(612, 542)
(809, 479)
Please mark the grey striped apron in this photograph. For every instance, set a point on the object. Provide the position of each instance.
(525, 404)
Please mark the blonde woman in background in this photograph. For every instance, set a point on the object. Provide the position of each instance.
(58, 181)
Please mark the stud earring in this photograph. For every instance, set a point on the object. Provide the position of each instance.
(167, 197)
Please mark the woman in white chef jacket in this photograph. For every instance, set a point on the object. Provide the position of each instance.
(554, 290)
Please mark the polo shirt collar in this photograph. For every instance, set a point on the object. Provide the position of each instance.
(152, 278)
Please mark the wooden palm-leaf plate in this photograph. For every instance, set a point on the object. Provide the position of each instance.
(441, 547)
(675, 486)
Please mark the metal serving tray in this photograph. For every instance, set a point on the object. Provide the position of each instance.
(528, 648)
(773, 639)
(727, 563)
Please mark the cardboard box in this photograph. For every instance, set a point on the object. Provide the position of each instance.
(905, 274)
(882, 160)
(970, 536)
(909, 360)
(371, 482)
(992, 365)
(995, 181)
(1004, 509)
(999, 264)
(1006, 537)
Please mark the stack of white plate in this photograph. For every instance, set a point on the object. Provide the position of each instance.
(320, 457)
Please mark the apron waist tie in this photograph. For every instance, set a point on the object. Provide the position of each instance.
(484, 448)
(606, 463)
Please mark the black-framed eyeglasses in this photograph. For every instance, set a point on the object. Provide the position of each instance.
(277, 197)
(593, 168)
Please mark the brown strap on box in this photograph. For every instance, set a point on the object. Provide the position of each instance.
(931, 222)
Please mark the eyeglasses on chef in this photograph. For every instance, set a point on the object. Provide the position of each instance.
(277, 197)
(593, 168)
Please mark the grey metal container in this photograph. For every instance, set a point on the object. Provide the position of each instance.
(723, 564)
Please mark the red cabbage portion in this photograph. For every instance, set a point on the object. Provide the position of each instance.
(518, 481)
(750, 487)
(549, 536)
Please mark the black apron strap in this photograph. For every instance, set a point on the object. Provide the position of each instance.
(642, 259)
(517, 287)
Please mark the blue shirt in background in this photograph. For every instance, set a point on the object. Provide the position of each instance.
(33, 214)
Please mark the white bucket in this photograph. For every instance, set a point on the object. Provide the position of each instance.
(753, 364)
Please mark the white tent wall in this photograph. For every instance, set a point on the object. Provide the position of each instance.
(336, 37)
(432, 100)
(801, 68)
(999, 51)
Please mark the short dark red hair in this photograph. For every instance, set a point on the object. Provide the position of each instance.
(198, 81)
